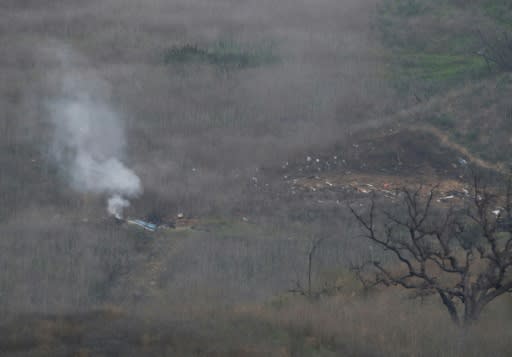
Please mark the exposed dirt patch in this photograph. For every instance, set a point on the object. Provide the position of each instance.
(366, 183)
(388, 160)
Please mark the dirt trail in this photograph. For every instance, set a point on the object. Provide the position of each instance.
(445, 140)
(408, 118)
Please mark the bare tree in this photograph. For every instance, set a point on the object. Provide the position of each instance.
(496, 51)
(308, 291)
(464, 254)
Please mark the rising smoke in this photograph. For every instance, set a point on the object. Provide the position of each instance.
(89, 139)
(116, 204)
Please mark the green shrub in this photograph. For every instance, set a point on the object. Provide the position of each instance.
(223, 54)
(185, 54)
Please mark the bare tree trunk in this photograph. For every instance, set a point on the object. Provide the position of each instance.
(314, 245)
(450, 306)
(310, 261)
(472, 313)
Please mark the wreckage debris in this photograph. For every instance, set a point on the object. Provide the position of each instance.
(146, 225)
(152, 225)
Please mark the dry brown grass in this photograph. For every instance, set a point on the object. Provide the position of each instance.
(385, 323)
(391, 324)
(197, 135)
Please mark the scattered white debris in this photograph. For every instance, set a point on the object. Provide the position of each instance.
(461, 161)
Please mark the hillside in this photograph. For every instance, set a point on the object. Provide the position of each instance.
(244, 133)
(446, 50)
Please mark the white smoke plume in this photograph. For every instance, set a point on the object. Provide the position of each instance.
(116, 205)
(89, 139)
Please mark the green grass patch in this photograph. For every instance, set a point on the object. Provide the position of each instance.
(430, 52)
(435, 72)
(442, 67)
(224, 55)
(500, 11)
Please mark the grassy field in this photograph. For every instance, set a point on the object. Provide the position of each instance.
(435, 46)
(257, 123)
(434, 50)
(383, 324)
